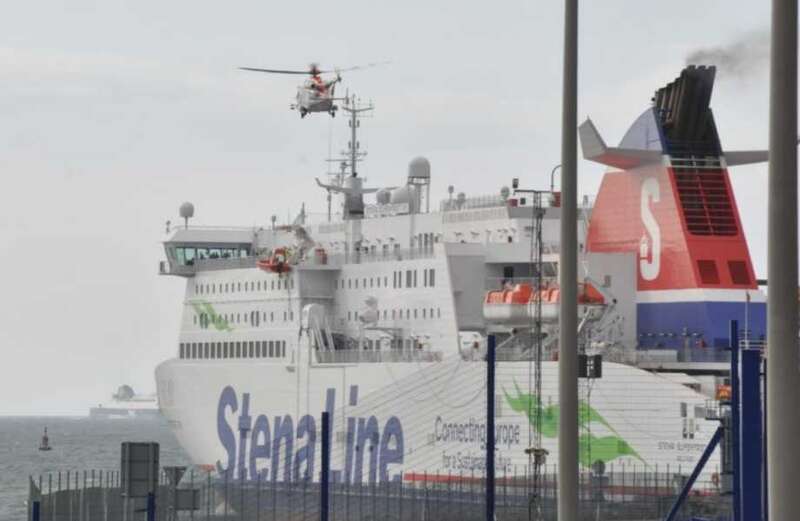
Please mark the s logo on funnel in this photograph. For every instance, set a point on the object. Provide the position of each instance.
(650, 251)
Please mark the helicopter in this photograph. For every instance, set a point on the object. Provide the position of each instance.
(315, 94)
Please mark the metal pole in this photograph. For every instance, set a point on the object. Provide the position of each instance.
(735, 418)
(687, 487)
(490, 441)
(750, 464)
(151, 507)
(568, 270)
(783, 397)
(326, 465)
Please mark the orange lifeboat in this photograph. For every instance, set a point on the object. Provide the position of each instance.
(518, 305)
(278, 262)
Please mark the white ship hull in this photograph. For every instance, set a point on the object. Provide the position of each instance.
(421, 417)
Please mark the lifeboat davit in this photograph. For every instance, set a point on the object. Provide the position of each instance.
(278, 262)
(517, 305)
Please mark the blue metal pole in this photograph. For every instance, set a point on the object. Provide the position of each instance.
(490, 362)
(326, 467)
(35, 511)
(695, 473)
(735, 412)
(750, 463)
(151, 507)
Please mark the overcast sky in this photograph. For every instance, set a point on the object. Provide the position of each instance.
(113, 113)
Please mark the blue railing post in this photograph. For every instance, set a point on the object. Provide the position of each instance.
(687, 487)
(735, 412)
(490, 441)
(326, 464)
(151, 507)
(750, 461)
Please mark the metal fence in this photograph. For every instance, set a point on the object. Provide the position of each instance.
(626, 496)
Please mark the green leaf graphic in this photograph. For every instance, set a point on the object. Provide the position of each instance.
(592, 448)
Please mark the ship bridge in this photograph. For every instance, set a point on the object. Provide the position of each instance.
(191, 249)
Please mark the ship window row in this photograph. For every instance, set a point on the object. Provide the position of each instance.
(246, 286)
(187, 256)
(401, 314)
(400, 279)
(247, 349)
(409, 279)
(254, 318)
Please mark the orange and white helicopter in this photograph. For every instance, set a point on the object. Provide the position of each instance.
(315, 94)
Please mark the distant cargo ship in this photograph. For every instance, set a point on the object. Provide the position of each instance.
(126, 404)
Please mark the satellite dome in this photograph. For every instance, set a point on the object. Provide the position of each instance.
(419, 168)
(505, 192)
(187, 210)
(124, 393)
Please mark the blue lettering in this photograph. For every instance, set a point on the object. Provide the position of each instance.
(330, 406)
(226, 399)
(284, 431)
(391, 455)
(244, 428)
(259, 442)
(367, 432)
(260, 449)
(306, 427)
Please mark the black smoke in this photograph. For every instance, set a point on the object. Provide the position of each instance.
(742, 57)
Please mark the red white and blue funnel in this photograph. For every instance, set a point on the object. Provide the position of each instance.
(667, 198)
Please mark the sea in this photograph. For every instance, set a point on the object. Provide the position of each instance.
(78, 444)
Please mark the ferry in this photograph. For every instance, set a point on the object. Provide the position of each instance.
(380, 314)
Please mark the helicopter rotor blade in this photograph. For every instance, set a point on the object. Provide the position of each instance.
(358, 67)
(275, 71)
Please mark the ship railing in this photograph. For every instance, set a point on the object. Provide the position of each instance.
(230, 263)
(390, 255)
(497, 201)
(498, 283)
(356, 356)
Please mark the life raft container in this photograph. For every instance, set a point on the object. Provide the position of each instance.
(278, 262)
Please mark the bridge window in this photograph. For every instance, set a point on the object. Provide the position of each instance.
(408, 278)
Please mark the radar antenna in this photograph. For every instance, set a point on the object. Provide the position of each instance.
(355, 108)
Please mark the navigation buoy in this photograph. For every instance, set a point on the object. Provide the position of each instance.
(45, 443)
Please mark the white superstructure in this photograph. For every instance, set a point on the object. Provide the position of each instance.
(380, 316)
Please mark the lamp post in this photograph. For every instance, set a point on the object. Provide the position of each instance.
(568, 277)
(552, 178)
(783, 396)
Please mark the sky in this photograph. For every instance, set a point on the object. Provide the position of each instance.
(114, 113)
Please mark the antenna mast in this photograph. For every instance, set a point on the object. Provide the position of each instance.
(353, 107)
